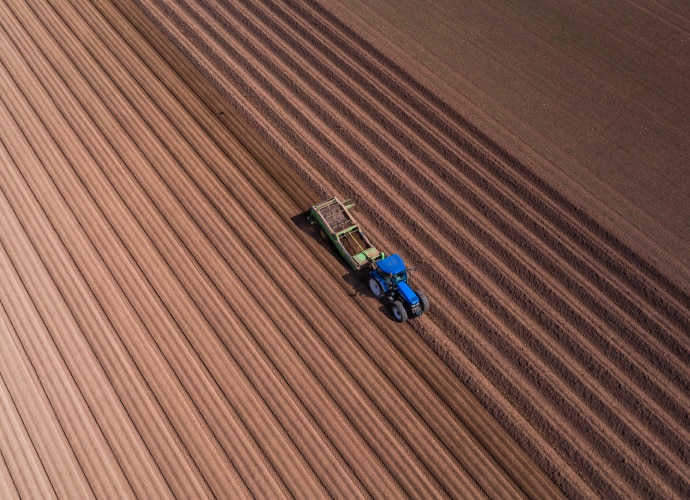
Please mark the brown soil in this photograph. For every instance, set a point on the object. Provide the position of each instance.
(592, 97)
(171, 325)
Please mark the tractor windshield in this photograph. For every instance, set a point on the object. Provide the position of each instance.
(393, 279)
(401, 276)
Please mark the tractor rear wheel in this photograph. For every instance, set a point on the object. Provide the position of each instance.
(375, 287)
(399, 311)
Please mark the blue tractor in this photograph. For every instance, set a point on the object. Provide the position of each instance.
(388, 280)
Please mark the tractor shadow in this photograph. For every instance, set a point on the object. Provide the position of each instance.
(358, 281)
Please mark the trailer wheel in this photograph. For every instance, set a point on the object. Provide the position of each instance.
(423, 300)
(375, 287)
(399, 311)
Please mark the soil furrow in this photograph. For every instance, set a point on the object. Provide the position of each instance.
(562, 307)
(30, 476)
(258, 184)
(147, 113)
(530, 278)
(61, 465)
(573, 378)
(415, 98)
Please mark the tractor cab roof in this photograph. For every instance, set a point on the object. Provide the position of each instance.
(393, 264)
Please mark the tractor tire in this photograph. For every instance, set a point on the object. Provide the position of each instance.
(375, 287)
(399, 311)
(423, 300)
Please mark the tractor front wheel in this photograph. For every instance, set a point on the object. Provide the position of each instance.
(423, 300)
(399, 311)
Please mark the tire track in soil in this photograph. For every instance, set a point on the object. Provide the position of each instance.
(664, 296)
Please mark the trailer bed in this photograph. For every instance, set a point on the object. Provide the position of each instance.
(338, 225)
(335, 215)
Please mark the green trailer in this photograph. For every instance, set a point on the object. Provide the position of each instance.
(338, 225)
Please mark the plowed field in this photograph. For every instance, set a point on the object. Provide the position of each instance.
(171, 325)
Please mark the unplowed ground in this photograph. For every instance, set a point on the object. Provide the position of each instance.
(172, 327)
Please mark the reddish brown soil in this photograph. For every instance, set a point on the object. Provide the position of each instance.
(172, 326)
(592, 96)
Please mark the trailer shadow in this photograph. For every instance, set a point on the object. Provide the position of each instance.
(357, 280)
(301, 221)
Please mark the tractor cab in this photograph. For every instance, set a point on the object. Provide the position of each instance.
(393, 271)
